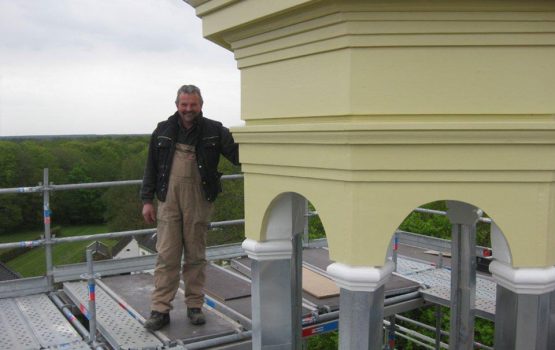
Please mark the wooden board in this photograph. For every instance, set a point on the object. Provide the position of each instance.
(318, 285)
(224, 286)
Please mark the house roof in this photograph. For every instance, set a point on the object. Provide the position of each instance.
(7, 274)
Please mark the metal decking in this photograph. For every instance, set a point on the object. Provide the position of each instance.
(123, 301)
(34, 322)
(119, 327)
(436, 284)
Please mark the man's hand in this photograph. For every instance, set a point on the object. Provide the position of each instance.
(149, 214)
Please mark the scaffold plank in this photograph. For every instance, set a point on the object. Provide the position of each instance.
(437, 285)
(15, 332)
(119, 328)
(47, 322)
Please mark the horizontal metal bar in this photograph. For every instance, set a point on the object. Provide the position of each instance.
(413, 333)
(110, 267)
(226, 251)
(23, 286)
(73, 272)
(22, 244)
(401, 298)
(432, 328)
(433, 243)
(417, 342)
(317, 243)
(21, 190)
(89, 185)
(232, 177)
(227, 339)
(443, 213)
(226, 223)
(404, 306)
(98, 236)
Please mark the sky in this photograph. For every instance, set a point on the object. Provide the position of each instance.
(106, 67)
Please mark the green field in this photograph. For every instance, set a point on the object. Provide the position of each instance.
(33, 262)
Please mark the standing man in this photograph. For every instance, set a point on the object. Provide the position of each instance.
(182, 170)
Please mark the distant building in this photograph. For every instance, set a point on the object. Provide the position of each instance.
(129, 247)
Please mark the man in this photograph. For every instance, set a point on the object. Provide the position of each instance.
(182, 170)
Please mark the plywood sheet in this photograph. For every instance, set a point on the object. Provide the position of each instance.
(318, 285)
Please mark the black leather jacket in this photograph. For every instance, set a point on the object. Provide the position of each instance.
(214, 139)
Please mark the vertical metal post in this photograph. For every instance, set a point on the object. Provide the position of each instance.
(296, 290)
(361, 319)
(47, 233)
(522, 321)
(92, 298)
(306, 221)
(438, 327)
(551, 328)
(395, 249)
(271, 297)
(463, 218)
(438, 309)
(391, 333)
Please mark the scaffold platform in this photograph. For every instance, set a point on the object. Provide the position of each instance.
(123, 303)
(34, 322)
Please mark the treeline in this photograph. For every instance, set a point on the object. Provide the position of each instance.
(82, 160)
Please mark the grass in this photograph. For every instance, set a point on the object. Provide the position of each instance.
(20, 236)
(33, 262)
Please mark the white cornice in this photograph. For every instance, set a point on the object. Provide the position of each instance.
(534, 281)
(360, 278)
(269, 250)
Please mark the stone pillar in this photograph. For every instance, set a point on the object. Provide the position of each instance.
(271, 294)
(360, 304)
(525, 313)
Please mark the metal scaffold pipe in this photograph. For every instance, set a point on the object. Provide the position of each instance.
(69, 315)
(91, 315)
(207, 344)
(47, 233)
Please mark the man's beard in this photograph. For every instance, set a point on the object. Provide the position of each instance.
(190, 115)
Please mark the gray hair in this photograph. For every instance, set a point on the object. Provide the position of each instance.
(189, 89)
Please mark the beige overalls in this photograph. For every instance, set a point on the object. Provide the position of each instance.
(182, 225)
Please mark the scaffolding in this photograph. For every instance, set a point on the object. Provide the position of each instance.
(33, 309)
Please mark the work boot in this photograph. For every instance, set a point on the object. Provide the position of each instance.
(157, 320)
(196, 316)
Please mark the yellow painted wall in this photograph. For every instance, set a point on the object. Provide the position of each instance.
(371, 108)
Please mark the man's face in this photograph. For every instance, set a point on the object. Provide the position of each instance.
(188, 107)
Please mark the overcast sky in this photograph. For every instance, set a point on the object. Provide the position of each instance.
(106, 66)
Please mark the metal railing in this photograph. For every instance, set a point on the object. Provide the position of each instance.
(52, 274)
(74, 271)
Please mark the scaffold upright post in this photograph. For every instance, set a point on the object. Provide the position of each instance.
(551, 331)
(92, 298)
(271, 293)
(296, 289)
(47, 232)
(307, 215)
(361, 304)
(524, 313)
(463, 219)
(438, 308)
(391, 333)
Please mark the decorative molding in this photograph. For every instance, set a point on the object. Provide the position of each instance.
(534, 281)
(360, 278)
(269, 250)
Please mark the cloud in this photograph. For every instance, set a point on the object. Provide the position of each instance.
(77, 67)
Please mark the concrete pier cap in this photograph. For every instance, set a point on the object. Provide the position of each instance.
(370, 109)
